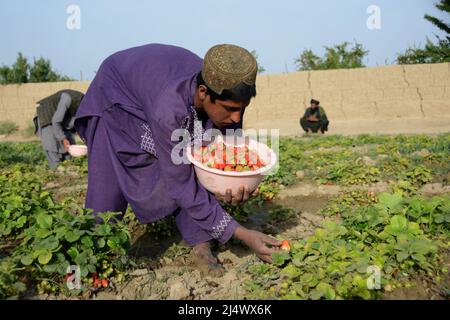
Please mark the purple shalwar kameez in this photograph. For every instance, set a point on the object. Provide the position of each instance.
(138, 97)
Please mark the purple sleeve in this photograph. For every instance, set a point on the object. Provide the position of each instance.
(180, 179)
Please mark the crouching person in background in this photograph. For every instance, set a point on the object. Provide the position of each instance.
(314, 119)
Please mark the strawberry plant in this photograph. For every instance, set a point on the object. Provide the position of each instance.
(402, 233)
(347, 200)
(10, 285)
(334, 262)
(25, 153)
(59, 240)
(350, 173)
(43, 238)
(21, 196)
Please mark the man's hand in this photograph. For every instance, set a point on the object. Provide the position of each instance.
(258, 242)
(66, 144)
(313, 119)
(242, 196)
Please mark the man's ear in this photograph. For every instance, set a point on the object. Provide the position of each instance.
(202, 90)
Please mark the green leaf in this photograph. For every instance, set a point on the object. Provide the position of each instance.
(43, 233)
(414, 228)
(104, 229)
(62, 267)
(87, 241)
(415, 208)
(51, 268)
(112, 242)
(73, 252)
(123, 236)
(84, 272)
(72, 236)
(300, 255)
(21, 221)
(401, 256)
(20, 286)
(291, 271)
(91, 268)
(323, 290)
(306, 278)
(315, 245)
(362, 266)
(280, 259)
(81, 259)
(27, 260)
(101, 242)
(359, 282)
(439, 218)
(44, 220)
(328, 291)
(50, 243)
(60, 257)
(45, 257)
(422, 246)
(61, 231)
(363, 293)
(391, 201)
(397, 225)
(311, 258)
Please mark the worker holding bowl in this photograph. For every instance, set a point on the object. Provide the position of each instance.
(137, 99)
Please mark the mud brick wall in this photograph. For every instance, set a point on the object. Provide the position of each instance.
(386, 99)
(18, 102)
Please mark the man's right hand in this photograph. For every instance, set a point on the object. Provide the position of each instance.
(258, 242)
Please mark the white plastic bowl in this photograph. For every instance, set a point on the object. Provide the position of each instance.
(77, 150)
(218, 181)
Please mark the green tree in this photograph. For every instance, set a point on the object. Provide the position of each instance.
(444, 6)
(339, 56)
(22, 72)
(5, 75)
(20, 69)
(261, 69)
(432, 52)
(42, 72)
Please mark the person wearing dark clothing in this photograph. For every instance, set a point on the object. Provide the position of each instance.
(54, 124)
(314, 119)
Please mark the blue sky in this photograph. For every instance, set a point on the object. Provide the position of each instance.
(277, 30)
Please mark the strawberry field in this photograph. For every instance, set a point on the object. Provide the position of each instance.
(367, 217)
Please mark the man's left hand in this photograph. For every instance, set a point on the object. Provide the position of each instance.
(242, 195)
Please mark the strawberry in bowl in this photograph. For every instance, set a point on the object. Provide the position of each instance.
(220, 166)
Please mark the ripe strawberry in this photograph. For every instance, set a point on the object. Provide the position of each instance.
(104, 283)
(97, 283)
(285, 245)
(230, 158)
